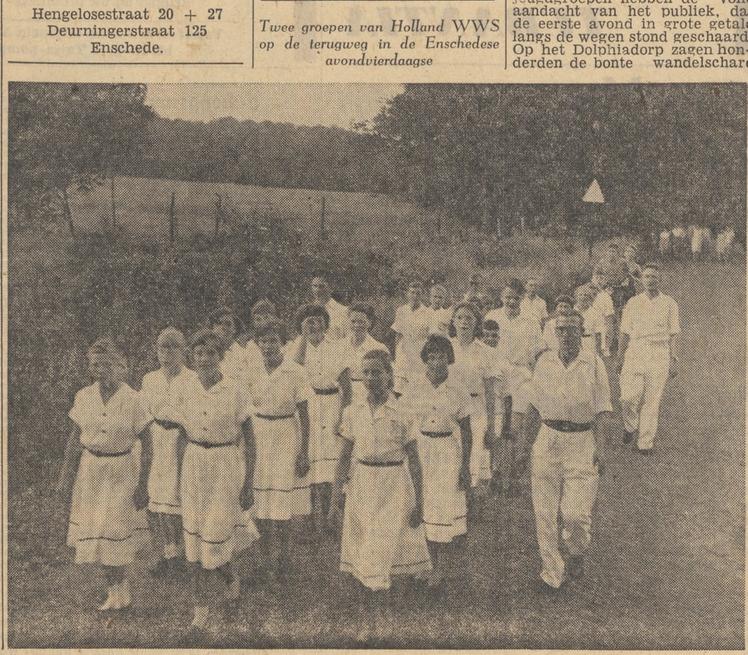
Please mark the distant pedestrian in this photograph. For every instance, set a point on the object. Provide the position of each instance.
(698, 242)
(665, 243)
(724, 244)
(679, 236)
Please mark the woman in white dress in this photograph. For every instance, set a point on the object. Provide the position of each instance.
(102, 468)
(411, 327)
(262, 311)
(279, 390)
(359, 342)
(216, 475)
(228, 327)
(440, 411)
(330, 391)
(475, 370)
(162, 390)
(382, 525)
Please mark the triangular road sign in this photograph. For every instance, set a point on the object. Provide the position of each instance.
(594, 193)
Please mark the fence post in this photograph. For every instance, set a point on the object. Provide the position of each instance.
(218, 215)
(172, 218)
(114, 207)
(322, 229)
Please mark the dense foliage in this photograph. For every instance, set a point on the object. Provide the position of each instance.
(498, 154)
(495, 156)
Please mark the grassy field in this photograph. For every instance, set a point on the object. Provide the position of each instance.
(666, 570)
(399, 229)
(143, 206)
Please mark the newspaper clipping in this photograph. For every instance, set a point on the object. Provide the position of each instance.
(373, 324)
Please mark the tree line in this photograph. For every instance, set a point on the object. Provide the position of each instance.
(499, 157)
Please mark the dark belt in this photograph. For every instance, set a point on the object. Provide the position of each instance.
(380, 463)
(205, 444)
(327, 392)
(436, 435)
(474, 395)
(98, 453)
(268, 417)
(357, 379)
(568, 426)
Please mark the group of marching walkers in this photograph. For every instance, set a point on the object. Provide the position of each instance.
(696, 240)
(395, 454)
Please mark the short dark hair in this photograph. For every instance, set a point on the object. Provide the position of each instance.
(438, 343)
(573, 314)
(363, 308)
(515, 285)
(217, 314)
(490, 324)
(272, 326)
(206, 337)
(653, 265)
(565, 298)
(310, 309)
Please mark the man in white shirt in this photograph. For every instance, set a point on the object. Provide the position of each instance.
(338, 313)
(441, 312)
(665, 244)
(475, 293)
(412, 322)
(593, 321)
(532, 305)
(647, 358)
(566, 397)
(679, 234)
(603, 303)
(725, 241)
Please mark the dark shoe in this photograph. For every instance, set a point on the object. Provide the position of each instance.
(575, 567)
(541, 587)
(646, 452)
(629, 436)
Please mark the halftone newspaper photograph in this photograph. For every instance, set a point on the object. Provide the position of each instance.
(373, 324)
(351, 365)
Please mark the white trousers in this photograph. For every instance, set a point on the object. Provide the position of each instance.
(641, 393)
(564, 481)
